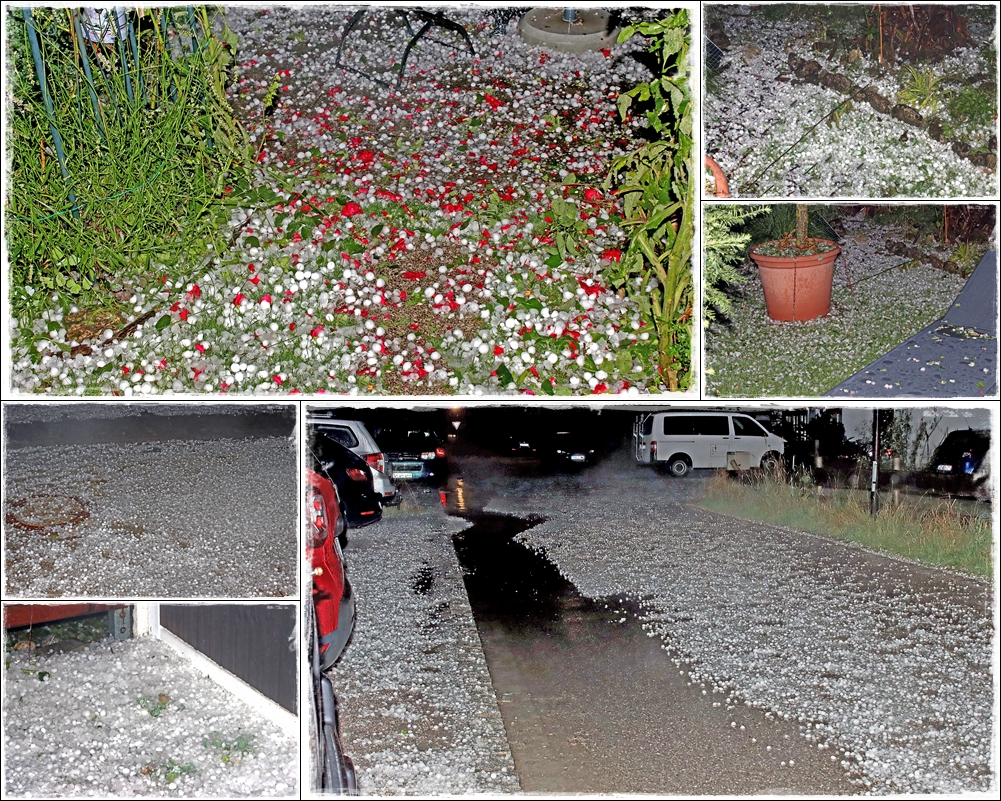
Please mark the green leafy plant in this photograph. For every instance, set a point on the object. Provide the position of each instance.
(154, 705)
(230, 749)
(167, 772)
(657, 193)
(921, 90)
(724, 246)
(973, 105)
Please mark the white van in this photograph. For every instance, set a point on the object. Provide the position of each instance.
(684, 440)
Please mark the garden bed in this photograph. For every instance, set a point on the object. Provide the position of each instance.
(449, 237)
(800, 110)
(877, 303)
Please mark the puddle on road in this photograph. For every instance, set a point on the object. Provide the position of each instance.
(591, 703)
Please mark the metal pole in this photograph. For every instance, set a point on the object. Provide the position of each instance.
(569, 14)
(873, 492)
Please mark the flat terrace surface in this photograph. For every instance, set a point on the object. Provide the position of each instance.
(955, 356)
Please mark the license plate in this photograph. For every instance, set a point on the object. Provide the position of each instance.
(944, 468)
(578, 457)
(403, 474)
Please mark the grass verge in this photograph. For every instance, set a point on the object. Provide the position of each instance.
(937, 535)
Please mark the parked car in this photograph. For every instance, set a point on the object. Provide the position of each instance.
(683, 440)
(332, 596)
(571, 448)
(330, 621)
(416, 453)
(354, 436)
(960, 466)
(360, 503)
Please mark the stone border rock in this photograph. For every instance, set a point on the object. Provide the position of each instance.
(811, 72)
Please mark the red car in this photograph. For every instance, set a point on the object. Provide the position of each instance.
(330, 621)
(332, 596)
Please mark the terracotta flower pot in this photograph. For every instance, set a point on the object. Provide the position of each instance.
(722, 187)
(797, 287)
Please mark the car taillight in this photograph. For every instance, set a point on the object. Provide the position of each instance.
(356, 474)
(317, 525)
(653, 449)
(376, 461)
(439, 452)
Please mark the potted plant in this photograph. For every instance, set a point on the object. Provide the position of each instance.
(797, 272)
(716, 184)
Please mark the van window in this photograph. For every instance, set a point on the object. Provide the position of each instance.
(647, 428)
(676, 425)
(746, 427)
(711, 426)
(696, 425)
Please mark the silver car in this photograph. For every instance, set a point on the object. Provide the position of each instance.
(353, 435)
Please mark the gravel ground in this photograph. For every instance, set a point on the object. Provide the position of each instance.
(757, 116)
(403, 242)
(169, 519)
(883, 663)
(878, 300)
(418, 712)
(87, 729)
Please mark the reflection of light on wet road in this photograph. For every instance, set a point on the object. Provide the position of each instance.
(456, 498)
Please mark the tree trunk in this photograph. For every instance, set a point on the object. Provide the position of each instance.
(802, 224)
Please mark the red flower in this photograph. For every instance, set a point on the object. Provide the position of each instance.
(612, 254)
(194, 292)
(200, 347)
(255, 280)
(266, 299)
(498, 350)
(316, 331)
(599, 388)
(351, 209)
(277, 379)
(493, 101)
(413, 275)
(291, 326)
(183, 314)
(606, 52)
(366, 156)
(238, 299)
(591, 194)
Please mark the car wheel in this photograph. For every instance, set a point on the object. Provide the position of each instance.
(342, 535)
(679, 467)
(771, 463)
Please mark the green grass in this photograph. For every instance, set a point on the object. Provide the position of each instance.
(145, 170)
(931, 534)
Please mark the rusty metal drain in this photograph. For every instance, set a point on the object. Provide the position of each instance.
(39, 512)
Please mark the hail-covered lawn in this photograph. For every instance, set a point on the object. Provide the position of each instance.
(409, 241)
(878, 301)
(762, 110)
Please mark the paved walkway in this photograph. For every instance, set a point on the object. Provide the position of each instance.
(954, 357)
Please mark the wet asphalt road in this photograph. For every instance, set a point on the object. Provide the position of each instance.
(591, 703)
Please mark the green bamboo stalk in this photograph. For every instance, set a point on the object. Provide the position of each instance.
(79, 45)
(36, 54)
(121, 55)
